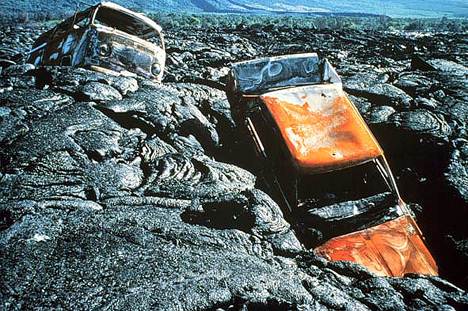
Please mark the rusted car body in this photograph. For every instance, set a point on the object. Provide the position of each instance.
(323, 165)
(104, 37)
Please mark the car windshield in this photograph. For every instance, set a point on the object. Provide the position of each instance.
(128, 23)
(354, 183)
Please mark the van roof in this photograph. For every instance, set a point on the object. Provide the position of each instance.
(136, 22)
(322, 129)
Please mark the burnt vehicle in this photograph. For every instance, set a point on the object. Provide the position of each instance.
(321, 163)
(105, 37)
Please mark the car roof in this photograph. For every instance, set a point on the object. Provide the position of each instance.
(322, 129)
(139, 18)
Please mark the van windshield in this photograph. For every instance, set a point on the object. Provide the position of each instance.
(354, 183)
(125, 22)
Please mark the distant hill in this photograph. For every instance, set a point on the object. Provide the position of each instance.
(394, 8)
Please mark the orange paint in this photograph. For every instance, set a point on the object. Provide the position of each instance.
(393, 248)
(321, 127)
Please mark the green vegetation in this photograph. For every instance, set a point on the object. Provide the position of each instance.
(379, 23)
(264, 21)
(393, 8)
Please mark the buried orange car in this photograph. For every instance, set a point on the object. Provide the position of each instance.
(320, 161)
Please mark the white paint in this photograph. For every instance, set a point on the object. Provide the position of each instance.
(40, 237)
(54, 56)
(68, 43)
(37, 61)
(337, 155)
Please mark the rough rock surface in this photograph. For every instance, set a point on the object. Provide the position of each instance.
(120, 193)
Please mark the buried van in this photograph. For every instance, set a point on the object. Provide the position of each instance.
(105, 37)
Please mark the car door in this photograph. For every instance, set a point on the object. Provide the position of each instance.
(64, 40)
(73, 38)
(53, 52)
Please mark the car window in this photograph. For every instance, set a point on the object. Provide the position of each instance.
(125, 22)
(276, 158)
(343, 185)
(62, 29)
(80, 20)
(83, 22)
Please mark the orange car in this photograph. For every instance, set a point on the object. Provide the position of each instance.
(320, 161)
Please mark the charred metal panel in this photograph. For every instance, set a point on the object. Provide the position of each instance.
(393, 248)
(115, 50)
(265, 74)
